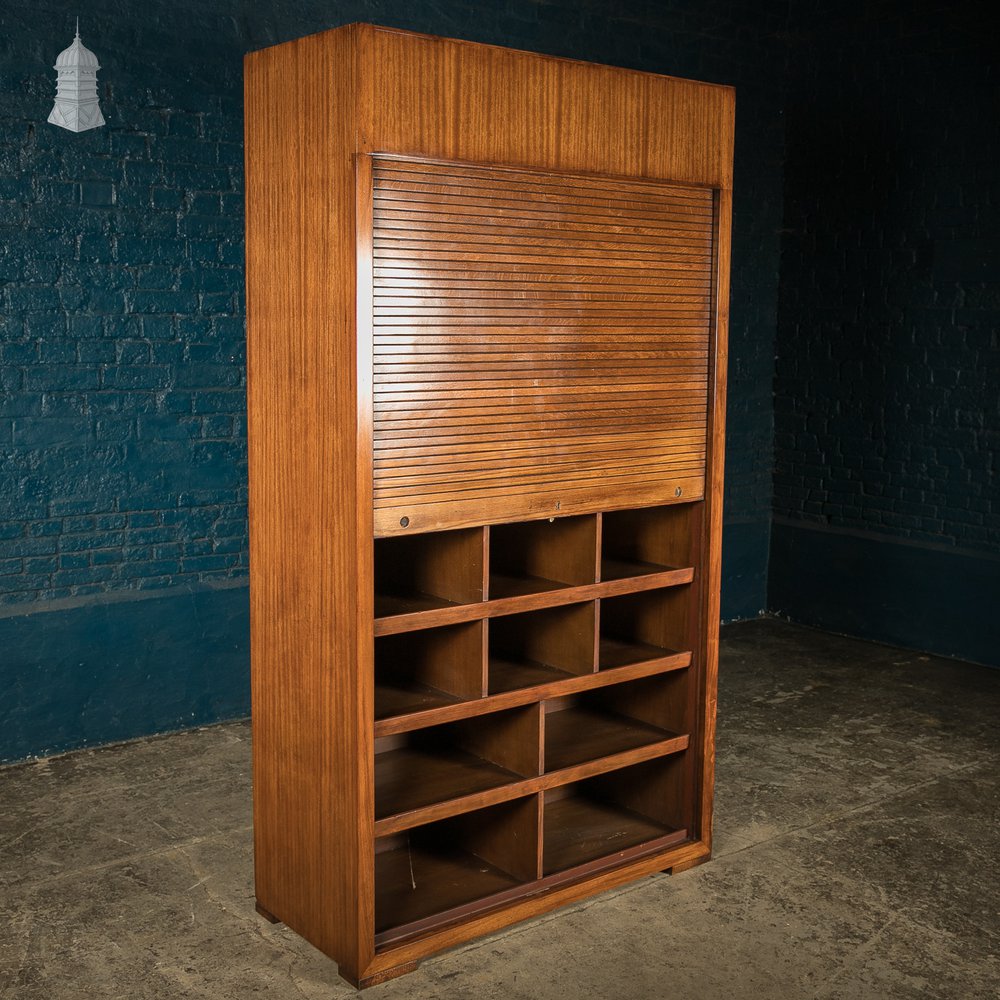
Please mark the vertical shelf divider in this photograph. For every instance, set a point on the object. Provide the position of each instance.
(512, 740)
(513, 845)
(599, 539)
(486, 563)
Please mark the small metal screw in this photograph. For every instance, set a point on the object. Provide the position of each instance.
(677, 492)
(404, 521)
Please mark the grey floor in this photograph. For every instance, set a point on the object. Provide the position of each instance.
(857, 855)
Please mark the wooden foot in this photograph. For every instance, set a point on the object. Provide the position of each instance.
(266, 914)
(683, 866)
(386, 974)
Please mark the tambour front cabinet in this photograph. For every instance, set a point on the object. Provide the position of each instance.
(487, 297)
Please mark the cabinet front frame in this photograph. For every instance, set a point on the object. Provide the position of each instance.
(392, 959)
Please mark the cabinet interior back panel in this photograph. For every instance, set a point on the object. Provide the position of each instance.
(540, 345)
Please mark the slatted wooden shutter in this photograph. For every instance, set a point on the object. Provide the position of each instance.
(540, 343)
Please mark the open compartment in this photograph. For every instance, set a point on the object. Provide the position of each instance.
(420, 670)
(451, 761)
(428, 875)
(643, 807)
(616, 719)
(650, 625)
(423, 572)
(649, 540)
(537, 647)
(535, 556)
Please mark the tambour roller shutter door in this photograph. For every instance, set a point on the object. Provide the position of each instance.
(541, 343)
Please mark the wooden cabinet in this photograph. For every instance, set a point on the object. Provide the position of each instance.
(486, 297)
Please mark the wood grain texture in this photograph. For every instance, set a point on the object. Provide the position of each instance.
(499, 434)
(663, 701)
(434, 666)
(454, 100)
(410, 778)
(582, 732)
(511, 739)
(657, 536)
(552, 688)
(711, 534)
(514, 843)
(310, 621)
(433, 616)
(425, 571)
(656, 788)
(552, 893)
(557, 637)
(465, 798)
(561, 551)
(579, 829)
(346, 279)
(423, 879)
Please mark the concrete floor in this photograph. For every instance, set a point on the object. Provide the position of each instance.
(857, 855)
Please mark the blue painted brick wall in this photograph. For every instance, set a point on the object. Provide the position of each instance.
(887, 381)
(122, 431)
(887, 388)
(122, 427)
(122, 424)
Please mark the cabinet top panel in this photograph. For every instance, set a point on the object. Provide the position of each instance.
(421, 95)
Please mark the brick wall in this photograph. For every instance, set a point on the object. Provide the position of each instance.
(122, 432)
(887, 381)
(123, 532)
(887, 388)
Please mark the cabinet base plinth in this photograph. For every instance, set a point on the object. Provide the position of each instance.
(683, 866)
(386, 974)
(266, 914)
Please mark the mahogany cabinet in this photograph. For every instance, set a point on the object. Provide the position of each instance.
(487, 299)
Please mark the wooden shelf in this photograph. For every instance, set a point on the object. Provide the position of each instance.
(633, 733)
(453, 762)
(613, 653)
(563, 685)
(413, 777)
(513, 675)
(428, 572)
(428, 876)
(431, 668)
(647, 623)
(579, 829)
(623, 569)
(648, 539)
(394, 698)
(580, 733)
(416, 881)
(389, 605)
(560, 639)
(534, 557)
(521, 586)
(449, 614)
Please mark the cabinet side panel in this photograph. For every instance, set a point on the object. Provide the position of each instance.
(711, 573)
(312, 792)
